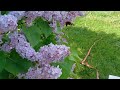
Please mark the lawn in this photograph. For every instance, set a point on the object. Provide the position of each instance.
(105, 55)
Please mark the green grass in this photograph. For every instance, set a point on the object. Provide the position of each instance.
(105, 55)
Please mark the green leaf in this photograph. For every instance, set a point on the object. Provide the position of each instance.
(4, 74)
(4, 12)
(74, 55)
(5, 38)
(50, 39)
(66, 67)
(2, 60)
(44, 26)
(46, 41)
(34, 33)
(16, 64)
(37, 47)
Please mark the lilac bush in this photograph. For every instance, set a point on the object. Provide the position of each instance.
(47, 54)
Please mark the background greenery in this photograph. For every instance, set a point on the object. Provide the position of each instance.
(105, 55)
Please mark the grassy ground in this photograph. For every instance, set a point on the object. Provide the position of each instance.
(105, 55)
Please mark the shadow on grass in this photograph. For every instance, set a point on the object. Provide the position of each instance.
(105, 55)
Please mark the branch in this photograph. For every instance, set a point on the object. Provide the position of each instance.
(84, 62)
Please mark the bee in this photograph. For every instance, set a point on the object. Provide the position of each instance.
(68, 23)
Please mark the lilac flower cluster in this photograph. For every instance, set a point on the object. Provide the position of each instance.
(17, 14)
(6, 47)
(44, 72)
(19, 42)
(7, 23)
(52, 53)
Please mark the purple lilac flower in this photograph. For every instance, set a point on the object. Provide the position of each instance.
(7, 23)
(17, 14)
(45, 72)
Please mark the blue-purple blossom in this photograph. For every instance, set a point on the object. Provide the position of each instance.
(8, 23)
(52, 53)
(45, 72)
(6, 47)
(17, 14)
(21, 46)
